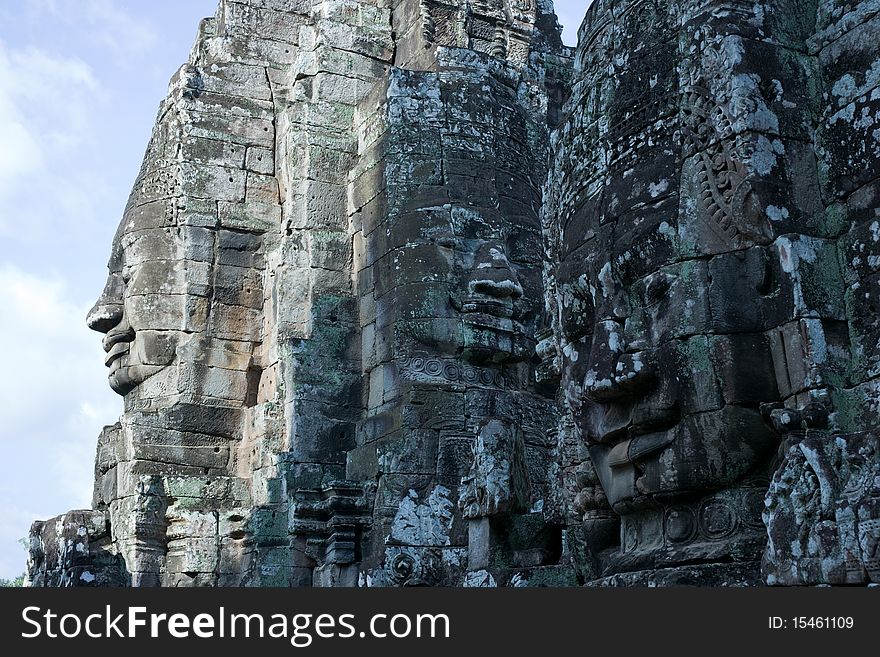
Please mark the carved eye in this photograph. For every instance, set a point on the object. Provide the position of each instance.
(657, 291)
(578, 313)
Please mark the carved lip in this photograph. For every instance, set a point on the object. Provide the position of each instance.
(115, 337)
(493, 322)
(616, 422)
(639, 447)
(116, 352)
(635, 442)
(117, 345)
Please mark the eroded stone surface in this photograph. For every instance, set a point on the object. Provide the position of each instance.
(407, 293)
(327, 278)
(823, 512)
(698, 220)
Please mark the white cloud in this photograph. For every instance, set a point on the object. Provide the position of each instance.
(20, 155)
(14, 555)
(47, 121)
(74, 458)
(52, 356)
(117, 30)
(49, 115)
(55, 402)
(107, 23)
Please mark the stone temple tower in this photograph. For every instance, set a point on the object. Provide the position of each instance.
(407, 293)
(321, 308)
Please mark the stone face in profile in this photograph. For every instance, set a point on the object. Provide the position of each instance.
(141, 323)
(318, 294)
(182, 314)
(472, 305)
(144, 266)
(178, 274)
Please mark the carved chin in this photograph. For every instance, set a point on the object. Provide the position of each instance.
(503, 348)
(121, 381)
(126, 378)
(488, 338)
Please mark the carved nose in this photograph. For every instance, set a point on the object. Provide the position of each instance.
(108, 310)
(104, 316)
(613, 372)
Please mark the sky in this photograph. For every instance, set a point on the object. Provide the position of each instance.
(80, 83)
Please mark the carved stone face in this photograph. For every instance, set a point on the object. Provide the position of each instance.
(152, 300)
(666, 278)
(184, 287)
(144, 310)
(666, 405)
(476, 298)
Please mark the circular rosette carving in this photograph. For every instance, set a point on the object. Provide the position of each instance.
(717, 519)
(403, 568)
(681, 524)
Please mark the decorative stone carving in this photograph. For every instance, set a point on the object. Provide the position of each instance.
(726, 193)
(317, 290)
(498, 481)
(367, 335)
(428, 26)
(332, 520)
(823, 512)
